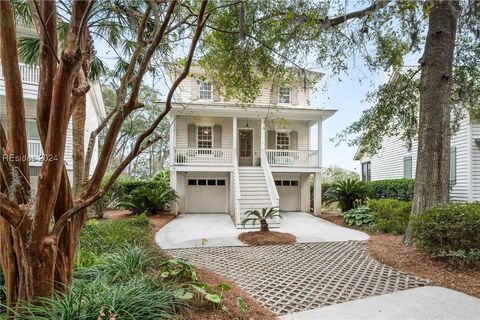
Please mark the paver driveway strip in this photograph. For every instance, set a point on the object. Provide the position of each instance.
(214, 230)
(303, 276)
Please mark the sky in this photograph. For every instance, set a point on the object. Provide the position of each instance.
(345, 93)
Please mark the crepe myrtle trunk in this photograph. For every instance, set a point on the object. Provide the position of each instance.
(432, 178)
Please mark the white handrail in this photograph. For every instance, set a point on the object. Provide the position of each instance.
(293, 158)
(28, 74)
(203, 156)
(272, 189)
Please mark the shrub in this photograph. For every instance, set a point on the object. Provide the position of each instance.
(359, 217)
(98, 293)
(346, 193)
(108, 236)
(400, 189)
(390, 215)
(150, 199)
(450, 232)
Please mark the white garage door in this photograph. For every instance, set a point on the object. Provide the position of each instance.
(289, 193)
(206, 195)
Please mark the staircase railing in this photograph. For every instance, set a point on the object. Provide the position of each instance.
(272, 189)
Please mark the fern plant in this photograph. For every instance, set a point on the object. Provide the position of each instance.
(346, 193)
(255, 216)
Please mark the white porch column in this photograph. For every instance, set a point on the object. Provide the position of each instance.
(319, 142)
(173, 173)
(235, 138)
(262, 134)
(173, 139)
(317, 186)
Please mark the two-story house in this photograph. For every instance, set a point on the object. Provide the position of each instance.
(30, 78)
(229, 159)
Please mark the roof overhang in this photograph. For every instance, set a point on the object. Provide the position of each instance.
(229, 110)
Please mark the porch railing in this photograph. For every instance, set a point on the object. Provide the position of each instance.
(35, 151)
(203, 156)
(28, 74)
(292, 158)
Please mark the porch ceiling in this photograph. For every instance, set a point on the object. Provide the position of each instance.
(229, 110)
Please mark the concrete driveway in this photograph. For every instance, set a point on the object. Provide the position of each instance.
(217, 230)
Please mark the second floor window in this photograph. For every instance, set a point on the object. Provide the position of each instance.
(366, 171)
(205, 91)
(204, 137)
(283, 141)
(284, 94)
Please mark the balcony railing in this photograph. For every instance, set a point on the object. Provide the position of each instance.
(203, 156)
(35, 151)
(292, 158)
(28, 74)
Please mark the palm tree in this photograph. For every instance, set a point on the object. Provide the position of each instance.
(266, 213)
(346, 193)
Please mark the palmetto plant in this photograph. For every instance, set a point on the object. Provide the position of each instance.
(261, 216)
(346, 193)
(146, 199)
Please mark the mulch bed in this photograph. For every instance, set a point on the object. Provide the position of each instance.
(161, 219)
(332, 216)
(259, 238)
(117, 214)
(390, 250)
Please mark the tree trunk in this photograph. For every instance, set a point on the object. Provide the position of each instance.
(432, 179)
(264, 226)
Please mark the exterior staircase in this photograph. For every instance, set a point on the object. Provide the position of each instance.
(254, 190)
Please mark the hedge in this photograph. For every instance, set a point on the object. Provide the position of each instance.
(400, 189)
(450, 232)
(390, 215)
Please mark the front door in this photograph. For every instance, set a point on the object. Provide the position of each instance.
(246, 147)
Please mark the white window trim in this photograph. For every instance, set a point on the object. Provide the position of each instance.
(287, 132)
(211, 126)
(200, 90)
(290, 98)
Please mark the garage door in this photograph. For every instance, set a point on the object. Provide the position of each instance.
(289, 193)
(206, 195)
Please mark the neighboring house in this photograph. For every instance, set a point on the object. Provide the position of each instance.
(229, 159)
(397, 160)
(30, 76)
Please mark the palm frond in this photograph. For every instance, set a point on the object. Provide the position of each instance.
(28, 50)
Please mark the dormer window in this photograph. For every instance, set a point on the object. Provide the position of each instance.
(285, 95)
(205, 91)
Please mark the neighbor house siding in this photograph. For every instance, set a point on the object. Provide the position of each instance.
(476, 162)
(388, 162)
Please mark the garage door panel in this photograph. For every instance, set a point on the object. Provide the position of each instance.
(289, 193)
(206, 195)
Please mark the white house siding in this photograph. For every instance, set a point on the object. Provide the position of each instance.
(387, 163)
(300, 94)
(475, 162)
(182, 123)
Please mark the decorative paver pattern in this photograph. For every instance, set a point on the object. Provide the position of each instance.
(292, 278)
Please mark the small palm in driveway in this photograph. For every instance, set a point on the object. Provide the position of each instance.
(266, 213)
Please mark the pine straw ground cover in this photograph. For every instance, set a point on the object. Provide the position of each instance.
(390, 250)
(259, 238)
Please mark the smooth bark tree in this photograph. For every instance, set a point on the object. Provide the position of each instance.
(432, 178)
(39, 230)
